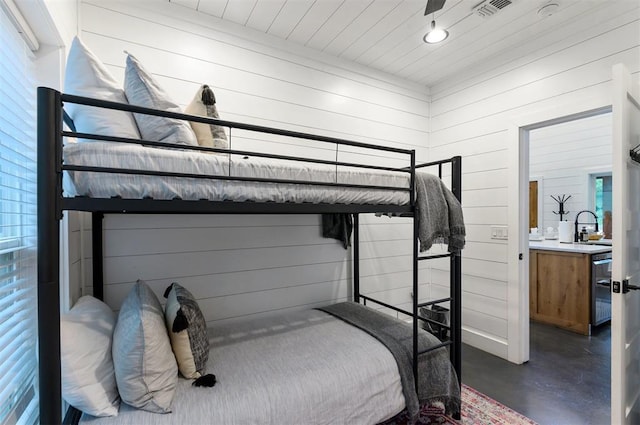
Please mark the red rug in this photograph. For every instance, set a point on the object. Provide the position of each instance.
(477, 409)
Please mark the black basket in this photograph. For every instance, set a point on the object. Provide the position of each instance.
(438, 314)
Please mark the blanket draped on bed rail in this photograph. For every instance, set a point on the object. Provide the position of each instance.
(437, 380)
(439, 214)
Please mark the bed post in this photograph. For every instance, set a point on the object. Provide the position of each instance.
(356, 258)
(414, 290)
(456, 278)
(96, 252)
(49, 214)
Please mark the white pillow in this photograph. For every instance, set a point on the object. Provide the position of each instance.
(143, 90)
(88, 379)
(146, 370)
(87, 76)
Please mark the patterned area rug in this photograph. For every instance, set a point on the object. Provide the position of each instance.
(477, 409)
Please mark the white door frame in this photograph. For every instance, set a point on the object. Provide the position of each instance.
(625, 317)
(518, 218)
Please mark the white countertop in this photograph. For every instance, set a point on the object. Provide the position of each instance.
(554, 245)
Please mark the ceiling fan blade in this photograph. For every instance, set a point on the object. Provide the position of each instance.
(433, 6)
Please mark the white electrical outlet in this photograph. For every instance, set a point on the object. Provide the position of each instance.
(499, 232)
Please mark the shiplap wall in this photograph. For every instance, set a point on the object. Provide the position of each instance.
(472, 114)
(56, 24)
(254, 265)
(563, 156)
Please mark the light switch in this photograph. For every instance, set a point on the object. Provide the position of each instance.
(499, 232)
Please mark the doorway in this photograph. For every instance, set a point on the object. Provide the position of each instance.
(572, 155)
(573, 158)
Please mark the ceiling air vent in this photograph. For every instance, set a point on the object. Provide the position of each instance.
(490, 7)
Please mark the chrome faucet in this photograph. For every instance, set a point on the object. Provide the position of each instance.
(575, 233)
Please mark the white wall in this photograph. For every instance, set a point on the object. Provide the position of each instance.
(563, 156)
(477, 114)
(267, 81)
(54, 23)
(253, 265)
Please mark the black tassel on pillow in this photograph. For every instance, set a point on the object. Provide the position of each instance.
(208, 380)
(208, 98)
(166, 291)
(180, 323)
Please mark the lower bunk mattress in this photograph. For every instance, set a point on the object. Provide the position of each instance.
(304, 367)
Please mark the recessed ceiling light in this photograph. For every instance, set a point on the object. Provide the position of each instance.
(548, 10)
(435, 35)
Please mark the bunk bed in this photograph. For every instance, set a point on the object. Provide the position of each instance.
(394, 193)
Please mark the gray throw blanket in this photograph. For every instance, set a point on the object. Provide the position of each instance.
(338, 226)
(439, 214)
(437, 380)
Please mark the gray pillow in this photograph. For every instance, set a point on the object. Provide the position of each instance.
(146, 370)
(187, 331)
(143, 90)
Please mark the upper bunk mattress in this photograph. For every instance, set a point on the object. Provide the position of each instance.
(137, 157)
(305, 367)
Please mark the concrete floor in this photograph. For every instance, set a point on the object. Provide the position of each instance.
(567, 380)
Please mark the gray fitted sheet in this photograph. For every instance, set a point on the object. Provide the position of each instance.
(136, 157)
(305, 367)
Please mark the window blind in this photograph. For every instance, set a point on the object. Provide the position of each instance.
(18, 334)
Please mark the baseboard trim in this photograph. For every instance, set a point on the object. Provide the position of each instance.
(491, 344)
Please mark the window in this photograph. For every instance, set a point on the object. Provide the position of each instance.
(603, 202)
(18, 335)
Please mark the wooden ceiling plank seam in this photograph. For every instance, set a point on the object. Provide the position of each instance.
(376, 32)
(327, 20)
(191, 4)
(250, 13)
(276, 16)
(317, 15)
(407, 29)
(263, 15)
(289, 16)
(358, 26)
(300, 20)
(388, 30)
(239, 11)
(346, 14)
(212, 7)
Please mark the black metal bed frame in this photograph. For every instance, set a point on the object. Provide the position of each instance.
(52, 203)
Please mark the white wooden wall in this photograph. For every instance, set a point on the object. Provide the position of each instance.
(255, 265)
(56, 24)
(563, 156)
(473, 114)
(266, 81)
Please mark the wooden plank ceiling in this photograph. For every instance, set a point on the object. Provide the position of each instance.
(387, 34)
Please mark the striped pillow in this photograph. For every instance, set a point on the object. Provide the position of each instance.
(145, 367)
(187, 331)
(143, 90)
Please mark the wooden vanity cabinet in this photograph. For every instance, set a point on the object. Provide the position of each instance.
(560, 289)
